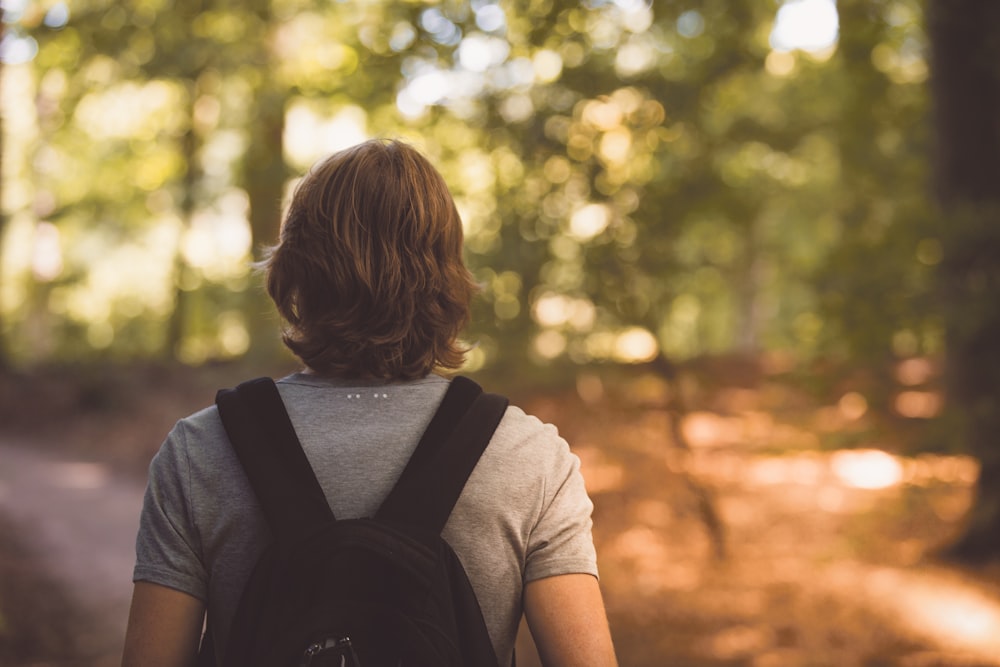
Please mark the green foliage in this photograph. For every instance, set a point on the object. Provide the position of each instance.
(633, 177)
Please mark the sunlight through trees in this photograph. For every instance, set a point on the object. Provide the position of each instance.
(703, 180)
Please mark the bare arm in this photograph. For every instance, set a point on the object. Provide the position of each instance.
(568, 623)
(164, 628)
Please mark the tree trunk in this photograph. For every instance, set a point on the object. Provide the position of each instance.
(852, 282)
(190, 144)
(965, 86)
(264, 178)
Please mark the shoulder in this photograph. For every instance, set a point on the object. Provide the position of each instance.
(522, 433)
(198, 433)
(526, 455)
(197, 447)
(202, 425)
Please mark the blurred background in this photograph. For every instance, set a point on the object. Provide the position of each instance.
(744, 253)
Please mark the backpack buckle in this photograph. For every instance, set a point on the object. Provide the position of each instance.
(330, 652)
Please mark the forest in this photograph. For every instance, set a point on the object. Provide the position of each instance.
(733, 247)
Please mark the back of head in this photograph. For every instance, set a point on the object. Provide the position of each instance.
(368, 269)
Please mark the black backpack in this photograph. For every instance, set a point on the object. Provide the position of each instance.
(370, 592)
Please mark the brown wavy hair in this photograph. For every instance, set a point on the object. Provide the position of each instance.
(368, 270)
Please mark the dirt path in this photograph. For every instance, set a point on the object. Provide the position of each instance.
(81, 521)
(822, 572)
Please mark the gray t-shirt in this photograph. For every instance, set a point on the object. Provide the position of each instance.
(523, 515)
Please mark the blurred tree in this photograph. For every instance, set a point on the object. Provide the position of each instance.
(676, 174)
(636, 177)
(109, 164)
(874, 287)
(213, 60)
(227, 76)
(965, 36)
(622, 147)
(262, 170)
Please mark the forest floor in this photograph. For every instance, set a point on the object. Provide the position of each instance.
(763, 526)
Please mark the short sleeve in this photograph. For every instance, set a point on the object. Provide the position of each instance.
(168, 550)
(561, 541)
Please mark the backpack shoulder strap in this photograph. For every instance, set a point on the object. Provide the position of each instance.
(268, 449)
(444, 458)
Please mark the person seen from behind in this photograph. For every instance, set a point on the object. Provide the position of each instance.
(369, 278)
